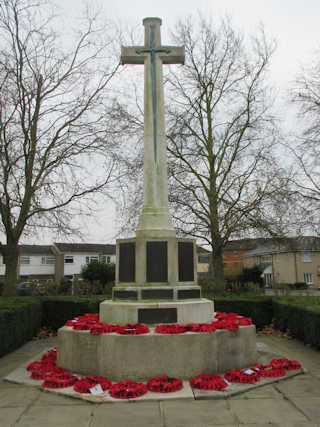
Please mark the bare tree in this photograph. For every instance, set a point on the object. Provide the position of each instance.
(306, 148)
(55, 149)
(224, 179)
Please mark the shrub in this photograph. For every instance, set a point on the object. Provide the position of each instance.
(57, 310)
(98, 271)
(259, 309)
(20, 319)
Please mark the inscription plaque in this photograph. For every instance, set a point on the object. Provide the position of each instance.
(185, 261)
(157, 315)
(157, 261)
(157, 293)
(188, 293)
(124, 294)
(127, 262)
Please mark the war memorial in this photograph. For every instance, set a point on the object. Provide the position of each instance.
(156, 276)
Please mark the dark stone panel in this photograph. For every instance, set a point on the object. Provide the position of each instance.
(124, 294)
(127, 262)
(157, 315)
(189, 293)
(157, 261)
(185, 261)
(157, 293)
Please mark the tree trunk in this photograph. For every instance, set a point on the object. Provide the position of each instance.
(11, 257)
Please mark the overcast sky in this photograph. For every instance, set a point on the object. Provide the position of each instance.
(294, 24)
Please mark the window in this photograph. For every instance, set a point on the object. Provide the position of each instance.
(48, 260)
(108, 259)
(306, 256)
(268, 279)
(91, 258)
(68, 259)
(203, 259)
(278, 277)
(24, 260)
(308, 278)
(266, 259)
(235, 253)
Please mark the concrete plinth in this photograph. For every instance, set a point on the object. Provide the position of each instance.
(122, 312)
(139, 357)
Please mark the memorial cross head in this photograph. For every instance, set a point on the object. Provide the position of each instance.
(165, 54)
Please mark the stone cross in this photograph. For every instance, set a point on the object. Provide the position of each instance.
(155, 212)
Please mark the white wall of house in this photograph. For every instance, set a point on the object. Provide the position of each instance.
(79, 260)
(31, 265)
(2, 266)
(37, 265)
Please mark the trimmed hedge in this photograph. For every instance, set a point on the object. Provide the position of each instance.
(301, 316)
(20, 320)
(22, 317)
(259, 309)
(57, 310)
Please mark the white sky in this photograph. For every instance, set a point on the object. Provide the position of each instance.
(294, 24)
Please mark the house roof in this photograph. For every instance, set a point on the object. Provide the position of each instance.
(286, 244)
(201, 250)
(86, 247)
(33, 249)
(244, 244)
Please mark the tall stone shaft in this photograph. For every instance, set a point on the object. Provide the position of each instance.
(155, 212)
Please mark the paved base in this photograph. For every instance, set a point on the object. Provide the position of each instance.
(22, 376)
(294, 402)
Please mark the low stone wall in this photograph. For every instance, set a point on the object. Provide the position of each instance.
(139, 357)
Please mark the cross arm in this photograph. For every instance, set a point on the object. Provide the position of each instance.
(130, 56)
(176, 55)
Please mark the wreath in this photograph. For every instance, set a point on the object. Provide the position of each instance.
(171, 329)
(208, 382)
(164, 384)
(60, 381)
(127, 390)
(200, 327)
(290, 365)
(85, 384)
(240, 376)
(269, 371)
(133, 329)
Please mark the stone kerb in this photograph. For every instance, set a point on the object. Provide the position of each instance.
(139, 357)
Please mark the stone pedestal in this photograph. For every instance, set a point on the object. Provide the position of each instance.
(140, 357)
(150, 313)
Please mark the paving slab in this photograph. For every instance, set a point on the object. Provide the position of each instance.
(22, 376)
(202, 413)
(310, 406)
(266, 411)
(266, 392)
(130, 414)
(11, 396)
(304, 385)
(56, 416)
(8, 416)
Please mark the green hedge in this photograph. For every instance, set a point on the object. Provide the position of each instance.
(57, 310)
(22, 317)
(20, 320)
(259, 309)
(301, 316)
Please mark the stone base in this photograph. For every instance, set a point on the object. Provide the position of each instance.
(140, 357)
(191, 311)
